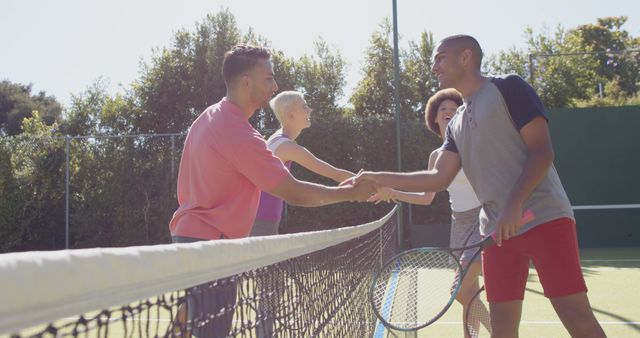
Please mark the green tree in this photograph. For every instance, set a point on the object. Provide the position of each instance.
(569, 67)
(181, 81)
(511, 61)
(122, 189)
(322, 79)
(83, 117)
(12, 198)
(559, 80)
(422, 82)
(609, 36)
(374, 93)
(32, 186)
(17, 103)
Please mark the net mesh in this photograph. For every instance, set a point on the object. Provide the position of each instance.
(323, 293)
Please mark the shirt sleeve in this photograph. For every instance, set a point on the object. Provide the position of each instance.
(252, 159)
(449, 142)
(521, 99)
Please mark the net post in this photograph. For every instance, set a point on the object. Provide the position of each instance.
(396, 92)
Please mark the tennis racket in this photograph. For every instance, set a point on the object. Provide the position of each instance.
(477, 321)
(416, 287)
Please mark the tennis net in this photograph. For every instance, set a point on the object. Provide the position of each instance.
(297, 285)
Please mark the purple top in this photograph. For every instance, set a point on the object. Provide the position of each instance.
(270, 207)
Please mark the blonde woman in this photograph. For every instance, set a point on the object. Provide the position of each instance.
(294, 116)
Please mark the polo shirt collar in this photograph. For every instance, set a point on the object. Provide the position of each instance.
(227, 105)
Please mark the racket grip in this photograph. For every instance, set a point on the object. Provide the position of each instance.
(527, 217)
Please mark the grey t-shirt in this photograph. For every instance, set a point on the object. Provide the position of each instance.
(485, 134)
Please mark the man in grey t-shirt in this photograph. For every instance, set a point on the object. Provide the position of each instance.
(501, 140)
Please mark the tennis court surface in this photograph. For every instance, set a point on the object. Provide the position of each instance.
(611, 275)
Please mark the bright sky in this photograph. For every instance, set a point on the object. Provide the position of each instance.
(62, 46)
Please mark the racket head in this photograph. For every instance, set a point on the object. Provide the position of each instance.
(415, 288)
(477, 318)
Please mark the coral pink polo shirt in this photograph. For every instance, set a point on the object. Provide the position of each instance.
(225, 163)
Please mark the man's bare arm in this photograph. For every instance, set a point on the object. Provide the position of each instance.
(535, 135)
(307, 194)
(437, 179)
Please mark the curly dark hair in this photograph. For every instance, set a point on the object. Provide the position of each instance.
(431, 112)
(242, 58)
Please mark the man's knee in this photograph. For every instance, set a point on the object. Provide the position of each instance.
(574, 306)
(505, 318)
(576, 314)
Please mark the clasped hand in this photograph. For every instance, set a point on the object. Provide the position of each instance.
(381, 193)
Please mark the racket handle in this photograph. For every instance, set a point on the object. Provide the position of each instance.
(527, 217)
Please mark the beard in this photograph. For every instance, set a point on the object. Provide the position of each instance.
(264, 105)
(444, 84)
(262, 101)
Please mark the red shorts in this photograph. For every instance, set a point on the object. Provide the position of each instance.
(553, 249)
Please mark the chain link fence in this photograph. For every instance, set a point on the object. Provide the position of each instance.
(87, 191)
(120, 190)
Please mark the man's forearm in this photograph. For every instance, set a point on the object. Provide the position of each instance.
(418, 198)
(316, 195)
(340, 175)
(418, 181)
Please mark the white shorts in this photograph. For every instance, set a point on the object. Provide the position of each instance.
(465, 230)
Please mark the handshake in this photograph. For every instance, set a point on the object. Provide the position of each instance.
(367, 189)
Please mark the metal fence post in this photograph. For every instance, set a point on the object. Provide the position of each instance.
(173, 156)
(396, 96)
(67, 139)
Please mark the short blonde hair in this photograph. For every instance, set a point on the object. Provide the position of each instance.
(284, 102)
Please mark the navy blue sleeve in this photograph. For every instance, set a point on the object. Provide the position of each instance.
(522, 101)
(449, 142)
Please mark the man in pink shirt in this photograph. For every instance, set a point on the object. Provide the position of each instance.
(225, 164)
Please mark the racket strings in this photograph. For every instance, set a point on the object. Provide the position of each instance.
(477, 318)
(413, 290)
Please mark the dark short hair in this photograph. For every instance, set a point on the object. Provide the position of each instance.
(431, 112)
(240, 59)
(467, 41)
